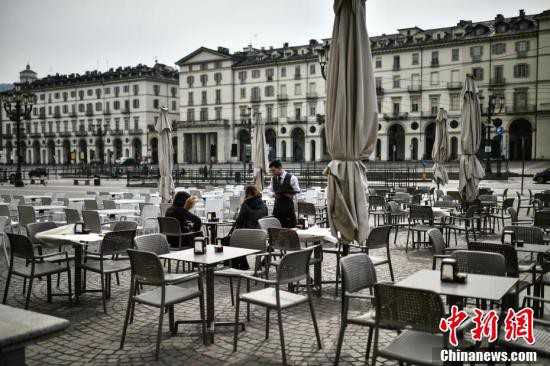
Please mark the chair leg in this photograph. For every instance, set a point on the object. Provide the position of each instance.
(248, 304)
(7, 287)
(337, 282)
(231, 291)
(313, 318)
(369, 343)
(58, 280)
(339, 344)
(159, 334)
(267, 311)
(24, 286)
(391, 268)
(126, 320)
(27, 301)
(236, 330)
(281, 334)
(49, 288)
(407, 244)
(102, 276)
(203, 317)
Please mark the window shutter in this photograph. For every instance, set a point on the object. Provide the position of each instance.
(526, 70)
(527, 45)
(515, 71)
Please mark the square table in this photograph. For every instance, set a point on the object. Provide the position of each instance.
(477, 286)
(532, 248)
(117, 211)
(208, 262)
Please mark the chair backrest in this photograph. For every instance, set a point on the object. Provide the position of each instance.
(117, 242)
(91, 221)
(487, 197)
(249, 239)
(294, 266)
(407, 308)
(485, 263)
(394, 207)
(306, 209)
(5, 210)
(471, 211)
(127, 195)
(437, 241)
(507, 203)
(125, 225)
(421, 213)
(438, 194)
(542, 219)
(72, 215)
(513, 214)
(379, 237)
(444, 204)
(529, 234)
(164, 207)
(508, 251)
(26, 215)
(284, 239)
(64, 201)
(416, 199)
(358, 272)
(20, 246)
(146, 267)
(6, 198)
(169, 226)
(90, 205)
(269, 222)
(38, 227)
(109, 204)
(376, 202)
(155, 243)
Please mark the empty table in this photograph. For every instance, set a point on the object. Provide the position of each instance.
(117, 211)
(208, 261)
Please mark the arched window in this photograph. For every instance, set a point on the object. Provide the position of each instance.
(190, 81)
(204, 79)
(218, 78)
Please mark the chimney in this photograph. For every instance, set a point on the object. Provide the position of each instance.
(521, 13)
(285, 45)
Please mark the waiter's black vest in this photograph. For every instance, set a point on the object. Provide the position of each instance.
(284, 206)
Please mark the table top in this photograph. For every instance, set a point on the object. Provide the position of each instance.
(532, 248)
(476, 286)
(66, 233)
(316, 233)
(129, 201)
(117, 211)
(211, 257)
(22, 326)
(36, 196)
(48, 207)
(80, 199)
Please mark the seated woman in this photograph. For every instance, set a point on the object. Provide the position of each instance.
(189, 222)
(252, 209)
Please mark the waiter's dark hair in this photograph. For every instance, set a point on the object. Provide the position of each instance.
(275, 164)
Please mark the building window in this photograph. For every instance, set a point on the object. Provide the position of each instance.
(297, 89)
(396, 62)
(125, 88)
(396, 82)
(135, 103)
(499, 48)
(477, 73)
(204, 79)
(155, 103)
(90, 92)
(107, 91)
(190, 115)
(434, 105)
(312, 110)
(98, 106)
(521, 70)
(522, 47)
(476, 52)
(255, 93)
(218, 96)
(255, 74)
(204, 66)
(298, 112)
(136, 123)
(269, 74)
(174, 105)
(204, 99)
(81, 107)
(135, 88)
(243, 93)
(435, 58)
(98, 93)
(65, 96)
(190, 98)
(65, 109)
(455, 54)
(204, 114)
(378, 62)
(297, 72)
(116, 105)
(80, 94)
(283, 72)
(156, 89)
(414, 104)
(190, 81)
(434, 78)
(454, 102)
(378, 81)
(242, 76)
(73, 94)
(126, 105)
(312, 69)
(218, 78)
(415, 59)
(174, 91)
(117, 91)
(269, 112)
(269, 91)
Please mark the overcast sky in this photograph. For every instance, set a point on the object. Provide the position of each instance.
(66, 36)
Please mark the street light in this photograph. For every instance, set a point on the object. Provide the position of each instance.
(494, 101)
(322, 54)
(247, 122)
(18, 104)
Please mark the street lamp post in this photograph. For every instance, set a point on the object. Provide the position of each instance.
(18, 105)
(493, 102)
(247, 122)
(322, 54)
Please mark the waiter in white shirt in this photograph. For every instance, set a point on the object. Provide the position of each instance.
(284, 186)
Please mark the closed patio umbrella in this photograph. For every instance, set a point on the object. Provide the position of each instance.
(164, 131)
(440, 148)
(259, 153)
(471, 172)
(352, 120)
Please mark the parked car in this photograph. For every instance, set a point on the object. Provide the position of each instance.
(38, 172)
(125, 161)
(542, 177)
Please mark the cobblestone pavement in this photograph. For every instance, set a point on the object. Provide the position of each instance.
(93, 337)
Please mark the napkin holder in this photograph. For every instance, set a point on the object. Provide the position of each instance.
(449, 271)
(199, 245)
(211, 217)
(80, 228)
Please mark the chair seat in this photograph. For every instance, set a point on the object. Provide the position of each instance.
(174, 278)
(233, 272)
(421, 227)
(109, 266)
(524, 268)
(174, 295)
(267, 297)
(40, 269)
(541, 345)
(58, 258)
(415, 347)
(378, 260)
(366, 319)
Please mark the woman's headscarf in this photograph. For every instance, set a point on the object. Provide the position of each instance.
(180, 199)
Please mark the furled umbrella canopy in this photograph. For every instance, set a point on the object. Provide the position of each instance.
(259, 153)
(440, 148)
(352, 120)
(470, 172)
(164, 131)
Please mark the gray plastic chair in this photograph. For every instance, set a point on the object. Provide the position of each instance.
(379, 238)
(109, 205)
(269, 222)
(91, 205)
(421, 219)
(21, 247)
(72, 216)
(27, 216)
(125, 225)
(170, 226)
(293, 268)
(147, 270)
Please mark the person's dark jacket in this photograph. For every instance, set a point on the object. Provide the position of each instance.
(185, 218)
(251, 211)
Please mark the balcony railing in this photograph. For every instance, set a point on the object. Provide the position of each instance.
(294, 120)
(35, 134)
(518, 109)
(297, 76)
(497, 81)
(395, 116)
(89, 113)
(49, 134)
(42, 116)
(136, 131)
(125, 111)
(81, 133)
(429, 114)
(272, 121)
(379, 90)
(396, 67)
(255, 99)
(107, 112)
(57, 115)
(116, 132)
(65, 134)
(454, 84)
(72, 114)
(435, 62)
(203, 124)
(7, 136)
(282, 96)
(312, 95)
(414, 88)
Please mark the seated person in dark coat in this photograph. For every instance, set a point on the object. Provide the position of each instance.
(252, 209)
(189, 222)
